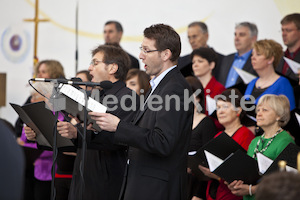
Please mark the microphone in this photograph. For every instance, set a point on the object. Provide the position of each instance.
(103, 84)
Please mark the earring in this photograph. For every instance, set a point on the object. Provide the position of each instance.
(238, 114)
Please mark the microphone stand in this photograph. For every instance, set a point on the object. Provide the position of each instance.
(54, 145)
(84, 146)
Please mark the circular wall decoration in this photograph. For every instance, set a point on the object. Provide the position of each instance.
(15, 44)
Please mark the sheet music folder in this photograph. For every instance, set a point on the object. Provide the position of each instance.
(289, 154)
(221, 146)
(75, 101)
(239, 166)
(42, 121)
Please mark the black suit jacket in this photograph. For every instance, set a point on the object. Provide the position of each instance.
(185, 65)
(158, 143)
(134, 62)
(223, 71)
(104, 161)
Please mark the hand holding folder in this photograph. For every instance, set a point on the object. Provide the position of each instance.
(42, 121)
(240, 166)
(221, 146)
(74, 102)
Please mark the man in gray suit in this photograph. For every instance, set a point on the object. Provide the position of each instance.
(245, 36)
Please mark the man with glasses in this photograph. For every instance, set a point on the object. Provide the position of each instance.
(104, 164)
(159, 136)
(290, 27)
(198, 36)
(113, 32)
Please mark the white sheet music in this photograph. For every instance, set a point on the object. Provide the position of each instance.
(263, 162)
(295, 67)
(78, 96)
(298, 117)
(245, 76)
(210, 105)
(191, 153)
(212, 160)
(291, 169)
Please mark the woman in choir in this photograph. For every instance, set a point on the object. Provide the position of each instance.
(229, 113)
(138, 81)
(40, 185)
(265, 57)
(203, 130)
(204, 61)
(272, 113)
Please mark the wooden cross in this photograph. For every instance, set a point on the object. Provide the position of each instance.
(36, 21)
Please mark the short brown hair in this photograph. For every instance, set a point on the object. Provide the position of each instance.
(112, 54)
(143, 78)
(165, 38)
(269, 48)
(295, 17)
(54, 67)
(86, 73)
(280, 104)
(279, 186)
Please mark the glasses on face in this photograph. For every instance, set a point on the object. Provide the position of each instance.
(95, 62)
(147, 51)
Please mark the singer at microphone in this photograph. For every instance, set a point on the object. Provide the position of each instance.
(108, 68)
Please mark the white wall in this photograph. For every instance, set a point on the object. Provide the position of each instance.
(57, 39)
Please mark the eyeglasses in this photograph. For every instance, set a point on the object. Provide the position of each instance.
(95, 62)
(147, 51)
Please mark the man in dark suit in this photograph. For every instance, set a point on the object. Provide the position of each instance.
(159, 136)
(290, 27)
(245, 36)
(113, 32)
(104, 164)
(198, 37)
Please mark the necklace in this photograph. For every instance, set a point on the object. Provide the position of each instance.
(261, 140)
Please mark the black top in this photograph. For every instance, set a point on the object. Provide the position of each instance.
(202, 133)
(104, 162)
(134, 62)
(258, 91)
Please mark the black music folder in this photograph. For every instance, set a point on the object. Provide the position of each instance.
(221, 146)
(42, 121)
(289, 154)
(239, 166)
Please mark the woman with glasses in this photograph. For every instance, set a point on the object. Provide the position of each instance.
(229, 113)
